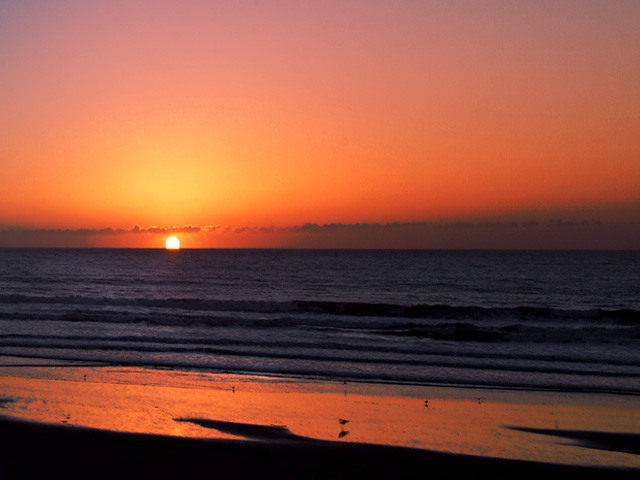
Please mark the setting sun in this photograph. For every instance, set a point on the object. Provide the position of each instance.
(428, 138)
(172, 243)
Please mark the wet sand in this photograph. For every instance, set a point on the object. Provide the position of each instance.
(36, 450)
(66, 420)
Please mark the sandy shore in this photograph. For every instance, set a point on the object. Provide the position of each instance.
(66, 420)
(35, 450)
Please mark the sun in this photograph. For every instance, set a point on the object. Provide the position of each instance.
(172, 243)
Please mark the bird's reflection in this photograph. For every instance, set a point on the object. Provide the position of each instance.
(342, 433)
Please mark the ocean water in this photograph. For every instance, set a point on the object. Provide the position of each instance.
(505, 319)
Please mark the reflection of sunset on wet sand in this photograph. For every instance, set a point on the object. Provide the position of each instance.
(471, 422)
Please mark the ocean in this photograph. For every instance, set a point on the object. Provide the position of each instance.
(543, 320)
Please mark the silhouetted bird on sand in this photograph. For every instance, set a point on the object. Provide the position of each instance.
(343, 421)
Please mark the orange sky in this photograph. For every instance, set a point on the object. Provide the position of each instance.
(278, 114)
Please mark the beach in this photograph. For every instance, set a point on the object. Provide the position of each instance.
(327, 364)
(46, 451)
(72, 420)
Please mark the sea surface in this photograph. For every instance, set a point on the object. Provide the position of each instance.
(505, 319)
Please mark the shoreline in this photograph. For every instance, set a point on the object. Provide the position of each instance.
(253, 414)
(34, 361)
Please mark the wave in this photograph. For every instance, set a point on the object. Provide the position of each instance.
(382, 328)
(550, 367)
(452, 371)
(353, 350)
(622, 317)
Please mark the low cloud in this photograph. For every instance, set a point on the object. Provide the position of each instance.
(489, 234)
(498, 234)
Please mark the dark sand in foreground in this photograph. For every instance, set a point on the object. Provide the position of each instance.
(37, 450)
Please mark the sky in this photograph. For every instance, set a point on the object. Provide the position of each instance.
(320, 124)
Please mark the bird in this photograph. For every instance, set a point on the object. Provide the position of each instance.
(343, 421)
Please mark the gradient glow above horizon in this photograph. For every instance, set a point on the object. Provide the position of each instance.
(258, 115)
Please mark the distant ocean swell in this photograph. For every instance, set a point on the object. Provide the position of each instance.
(630, 317)
(437, 322)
